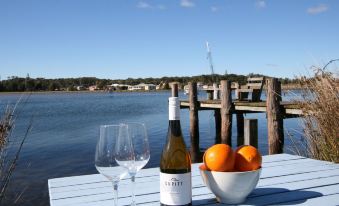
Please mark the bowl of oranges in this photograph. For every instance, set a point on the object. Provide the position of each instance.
(231, 175)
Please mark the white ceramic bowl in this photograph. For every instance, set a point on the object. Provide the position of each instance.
(231, 187)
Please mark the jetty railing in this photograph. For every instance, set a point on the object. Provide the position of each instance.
(276, 111)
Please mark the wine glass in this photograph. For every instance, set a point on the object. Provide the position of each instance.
(105, 153)
(132, 150)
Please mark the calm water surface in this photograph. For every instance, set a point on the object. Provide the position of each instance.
(66, 127)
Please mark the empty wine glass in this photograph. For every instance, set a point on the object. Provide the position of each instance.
(132, 150)
(105, 153)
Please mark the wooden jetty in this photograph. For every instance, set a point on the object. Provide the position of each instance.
(275, 109)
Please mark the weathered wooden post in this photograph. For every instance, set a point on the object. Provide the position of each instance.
(209, 95)
(237, 93)
(240, 129)
(251, 132)
(215, 91)
(194, 122)
(217, 117)
(275, 124)
(217, 120)
(226, 113)
(174, 90)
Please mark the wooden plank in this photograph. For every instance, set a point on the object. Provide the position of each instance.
(252, 85)
(245, 106)
(255, 79)
(212, 106)
(249, 108)
(294, 111)
(245, 90)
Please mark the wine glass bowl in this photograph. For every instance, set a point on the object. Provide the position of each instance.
(132, 149)
(105, 157)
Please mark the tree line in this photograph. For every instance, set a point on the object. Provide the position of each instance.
(20, 84)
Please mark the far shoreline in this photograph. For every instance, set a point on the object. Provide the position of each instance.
(82, 92)
(283, 87)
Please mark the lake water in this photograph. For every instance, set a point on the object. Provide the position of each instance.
(66, 128)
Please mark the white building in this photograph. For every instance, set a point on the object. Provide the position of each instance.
(114, 87)
(142, 86)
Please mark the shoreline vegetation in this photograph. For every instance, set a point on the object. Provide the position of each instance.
(283, 87)
(85, 84)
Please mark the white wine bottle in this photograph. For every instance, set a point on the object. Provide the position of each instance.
(175, 163)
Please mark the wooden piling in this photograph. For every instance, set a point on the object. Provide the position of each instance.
(225, 111)
(217, 120)
(217, 117)
(240, 128)
(274, 113)
(174, 90)
(215, 91)
(194, 122)
(251, 132)
(209, 95)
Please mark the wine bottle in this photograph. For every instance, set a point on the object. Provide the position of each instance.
(175, 163)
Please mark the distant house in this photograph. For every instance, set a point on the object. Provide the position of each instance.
(93, 88)
(149, 87)
(142, 86)
(117, 87)
(80, 88)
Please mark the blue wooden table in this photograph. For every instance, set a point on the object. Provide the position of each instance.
(285, 180)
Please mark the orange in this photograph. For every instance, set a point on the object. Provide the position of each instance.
(247, 158)
(219, 157)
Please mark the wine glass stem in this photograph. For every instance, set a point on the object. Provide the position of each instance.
(133, 186)
(115, 191)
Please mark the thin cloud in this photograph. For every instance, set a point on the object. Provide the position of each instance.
(261, 4)
(214, 8)
(143, 5)
(272, 65)
(187, 3)
(317, 9)
(161, 7)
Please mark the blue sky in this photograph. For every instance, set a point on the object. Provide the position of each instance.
(151, 38)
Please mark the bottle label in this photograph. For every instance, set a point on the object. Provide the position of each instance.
(173, 108)
(175, 189)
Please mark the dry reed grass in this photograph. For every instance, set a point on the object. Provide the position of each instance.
(7, 161)
(320, 106)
